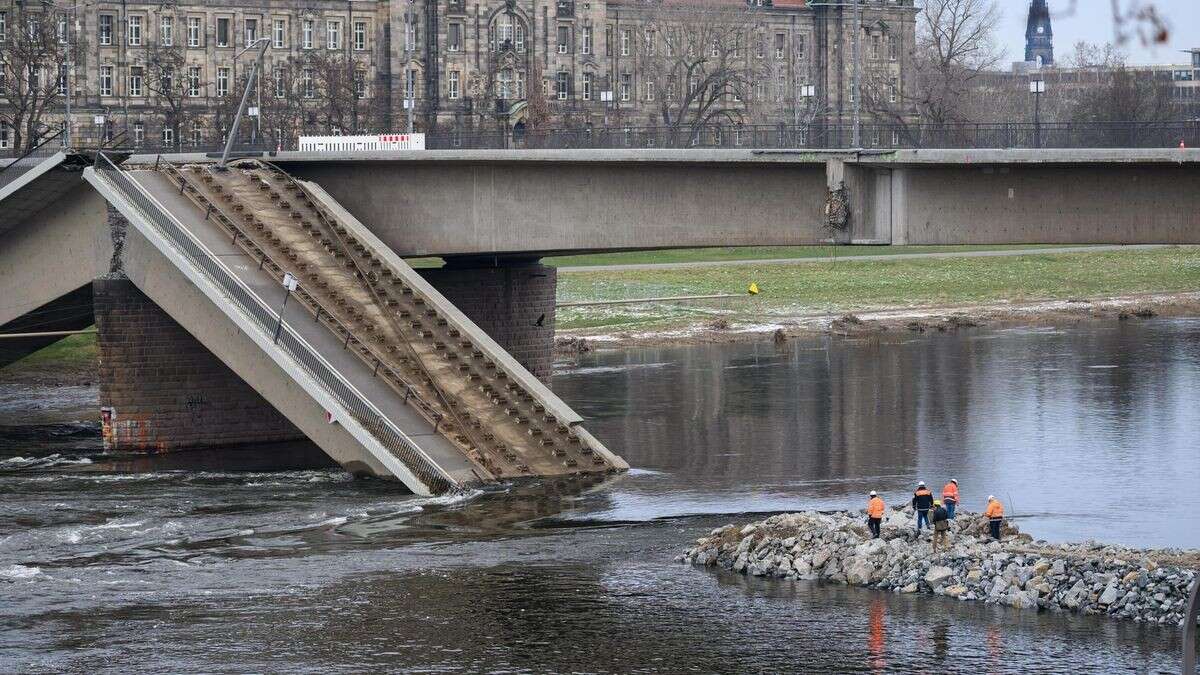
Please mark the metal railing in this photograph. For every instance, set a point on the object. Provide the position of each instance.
(18, 167)
(266, 320)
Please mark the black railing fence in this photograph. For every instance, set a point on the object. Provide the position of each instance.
(1015, 135)
(12, 169)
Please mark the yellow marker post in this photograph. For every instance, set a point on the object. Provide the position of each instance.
(753, 290)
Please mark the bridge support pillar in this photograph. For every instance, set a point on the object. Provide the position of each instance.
(511, 300)
(162, 391)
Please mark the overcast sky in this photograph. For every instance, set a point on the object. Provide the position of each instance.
(1092, 21)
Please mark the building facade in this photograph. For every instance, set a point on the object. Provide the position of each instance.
(171, 74)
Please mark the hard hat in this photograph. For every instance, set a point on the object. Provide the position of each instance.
(921, 483)
(991, 498)
(937, 502)
(873, 493)
(954, 480)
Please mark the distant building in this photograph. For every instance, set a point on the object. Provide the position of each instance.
(1039, 35)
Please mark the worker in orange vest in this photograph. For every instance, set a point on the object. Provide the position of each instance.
(922, 501)
(875, 509)
(950, 496)
(995, 516)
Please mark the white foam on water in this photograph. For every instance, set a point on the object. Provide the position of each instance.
(19, 572)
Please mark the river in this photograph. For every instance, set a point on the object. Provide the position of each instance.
(1089, 432)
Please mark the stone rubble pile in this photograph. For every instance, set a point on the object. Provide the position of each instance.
(1089, 578)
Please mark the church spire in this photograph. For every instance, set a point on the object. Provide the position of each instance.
(1039, 36)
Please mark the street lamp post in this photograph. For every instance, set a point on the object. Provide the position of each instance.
(1037, 88)
(807, 92)
(261, 44)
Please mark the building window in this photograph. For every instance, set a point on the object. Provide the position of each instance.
(135, 31)
(564, 39)
(251, 31)
(223, 32)
(651, 43)
(139, 133)
(504, 84)
(360, 84)
(625, 42)
(193, 27)
(135, 80)
(280, 84)
(410, 33)
(454, 37)
(166, 31)
(608, 40)
(779, 41)
(626, 85)
(168, 136)
(360, 36)
(278, 33)
(891, 47)
(197, 136)
(586, 47)
(106, 29)
(166, 80)
(306, 83)
(106, 80)
(564, 85)
(781, 85)
(894, 90)
(519, 83)
(5, 141)
(587, 86)
(649, 90)
(193, 81)
(306, 40)
(222, 81)
(333, 34)
(520, 31)
(875, 46)
(4, 34)
(453, 84)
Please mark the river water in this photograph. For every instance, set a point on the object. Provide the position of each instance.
(1091, 432)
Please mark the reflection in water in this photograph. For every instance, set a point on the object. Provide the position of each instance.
(1023, 414)
(313, 571)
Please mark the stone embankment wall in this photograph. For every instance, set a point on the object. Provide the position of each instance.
(1090, 578)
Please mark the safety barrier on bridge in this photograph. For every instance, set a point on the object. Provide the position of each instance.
(402, 457)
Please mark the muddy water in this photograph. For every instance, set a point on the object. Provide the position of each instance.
(1091, 432)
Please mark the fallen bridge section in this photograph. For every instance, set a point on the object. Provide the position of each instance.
(416, 390)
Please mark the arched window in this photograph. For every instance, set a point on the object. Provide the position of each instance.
(507, 32)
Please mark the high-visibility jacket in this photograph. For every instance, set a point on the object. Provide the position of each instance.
(922, 499)
(875, 507)
(994, 509)
(950, 492)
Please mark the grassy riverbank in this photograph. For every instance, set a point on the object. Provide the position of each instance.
(788, 290)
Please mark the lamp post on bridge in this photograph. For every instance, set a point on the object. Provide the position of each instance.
(1037, 88)
(262, 44)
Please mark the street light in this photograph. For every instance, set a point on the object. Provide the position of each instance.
(262, 44)
(1037, 88)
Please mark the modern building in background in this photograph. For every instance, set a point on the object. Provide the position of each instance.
(172, 73)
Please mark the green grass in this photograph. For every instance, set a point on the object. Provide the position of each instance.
(848, 286)
(683, 255)
(71, 351)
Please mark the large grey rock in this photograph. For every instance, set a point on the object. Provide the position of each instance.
(938, 574)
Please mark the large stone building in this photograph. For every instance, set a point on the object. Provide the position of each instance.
(171, 73)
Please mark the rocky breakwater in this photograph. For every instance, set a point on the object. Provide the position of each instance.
(1088, 578)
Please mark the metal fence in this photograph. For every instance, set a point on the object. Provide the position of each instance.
(18, 167)
(288, 341)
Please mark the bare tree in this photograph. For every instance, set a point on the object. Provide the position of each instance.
(286, 105)
(178, 88)
(346, 104)
(956, 43)
(694, 64)
(34, 54)
(1125, 95)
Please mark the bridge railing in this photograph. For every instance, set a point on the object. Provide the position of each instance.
(270, 323)
(18, 167)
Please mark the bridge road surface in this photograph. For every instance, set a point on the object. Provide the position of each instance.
(440, 450)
